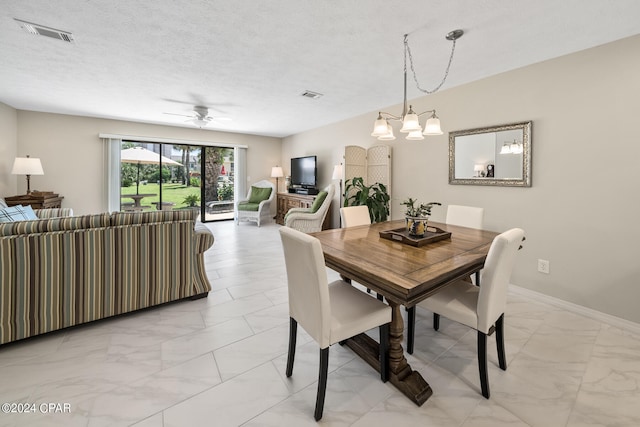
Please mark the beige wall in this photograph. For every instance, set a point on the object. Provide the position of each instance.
(72, 153)
(8, 147)
(581, 213)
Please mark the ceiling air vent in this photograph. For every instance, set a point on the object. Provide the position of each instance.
(312, 95)
(41, 30)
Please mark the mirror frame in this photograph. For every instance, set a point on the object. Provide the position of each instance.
(525, 181)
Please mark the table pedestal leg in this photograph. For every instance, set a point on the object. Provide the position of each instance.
(408, 381)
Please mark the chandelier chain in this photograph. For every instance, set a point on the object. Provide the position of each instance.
(413, 71)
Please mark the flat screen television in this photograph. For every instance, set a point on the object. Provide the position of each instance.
(304, 171)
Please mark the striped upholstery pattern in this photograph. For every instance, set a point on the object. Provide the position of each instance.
(55, 276)
(53, 212)
(54, 224)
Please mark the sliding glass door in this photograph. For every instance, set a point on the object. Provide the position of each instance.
(218, 193)
(170, 176)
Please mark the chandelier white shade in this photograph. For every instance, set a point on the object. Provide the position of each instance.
(409, 118)
(512, 148)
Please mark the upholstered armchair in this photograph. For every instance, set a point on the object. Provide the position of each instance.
(257, 205)
(310, 220)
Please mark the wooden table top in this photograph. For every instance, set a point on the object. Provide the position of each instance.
(403, 273)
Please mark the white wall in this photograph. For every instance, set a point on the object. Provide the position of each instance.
(8, 147)
(72, 153)
(582, 212)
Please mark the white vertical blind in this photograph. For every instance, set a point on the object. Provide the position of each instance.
(240, 164)
(112, 149)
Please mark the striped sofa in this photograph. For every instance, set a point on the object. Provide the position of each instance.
(64, 271)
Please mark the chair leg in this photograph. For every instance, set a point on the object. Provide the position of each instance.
(502, 360)
(384, 352)
(482, 363)
(477, 278)
(380, 297)
(411, 328)
(322, 382)
(293, 329)
(436, 321)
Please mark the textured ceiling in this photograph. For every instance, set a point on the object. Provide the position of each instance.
(251, 60)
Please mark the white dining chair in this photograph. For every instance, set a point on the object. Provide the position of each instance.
(329, 312)
(353, 216)
(482, 307)
(463, 216)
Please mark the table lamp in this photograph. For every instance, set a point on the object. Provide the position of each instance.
(27, 166)
(276, 172)
(478, 169)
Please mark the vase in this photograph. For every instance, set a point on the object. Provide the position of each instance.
(416, 226)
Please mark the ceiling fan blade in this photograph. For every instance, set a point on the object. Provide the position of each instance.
(181, 115)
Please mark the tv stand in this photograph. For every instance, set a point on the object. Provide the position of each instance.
(304, 191)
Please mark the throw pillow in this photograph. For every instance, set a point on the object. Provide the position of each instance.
(3, 204)
(17, 213)
(318, 201)
(259, 194)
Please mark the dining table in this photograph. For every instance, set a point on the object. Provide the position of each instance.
(404, 272)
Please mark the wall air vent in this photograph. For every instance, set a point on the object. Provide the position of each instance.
(41, 30)
(312, 95)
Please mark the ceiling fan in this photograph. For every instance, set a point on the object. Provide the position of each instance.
(200, 116)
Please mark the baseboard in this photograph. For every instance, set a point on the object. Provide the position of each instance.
(578, 309)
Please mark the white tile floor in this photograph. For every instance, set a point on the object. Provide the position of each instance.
(220, 362)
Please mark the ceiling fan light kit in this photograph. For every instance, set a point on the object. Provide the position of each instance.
(200, 116)
(410, 119)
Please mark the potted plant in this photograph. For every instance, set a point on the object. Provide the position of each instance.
(375, 197)
(191, 200)
(417, 216)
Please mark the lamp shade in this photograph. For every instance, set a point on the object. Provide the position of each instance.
(27, 166)
(410, 122)
(433, 126)
(415, 135)
(478, 168)
(276, 172)
(380, 127)
(337, 172)
(388, 136)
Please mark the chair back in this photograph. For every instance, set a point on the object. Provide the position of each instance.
(324, 208)
(263, 184)
(498, 266)
(465, 216)
(309, 302)
(355, 215)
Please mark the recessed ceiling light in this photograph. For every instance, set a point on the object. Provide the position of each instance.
(41, 30)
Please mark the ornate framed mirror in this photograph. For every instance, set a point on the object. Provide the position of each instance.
(496, 155)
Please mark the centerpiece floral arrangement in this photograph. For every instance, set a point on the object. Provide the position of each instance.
(417, 216)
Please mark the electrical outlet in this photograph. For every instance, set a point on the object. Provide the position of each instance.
(543, 266)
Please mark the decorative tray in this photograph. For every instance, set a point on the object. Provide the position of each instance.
(433, 234)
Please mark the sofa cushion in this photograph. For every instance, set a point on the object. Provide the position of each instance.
(259, 194)
(150, 217)
(17, 213)
(318, 201)
(248, 206)
(54, 224)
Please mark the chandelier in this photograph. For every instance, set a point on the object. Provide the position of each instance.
(409, 118)
(514, 147)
